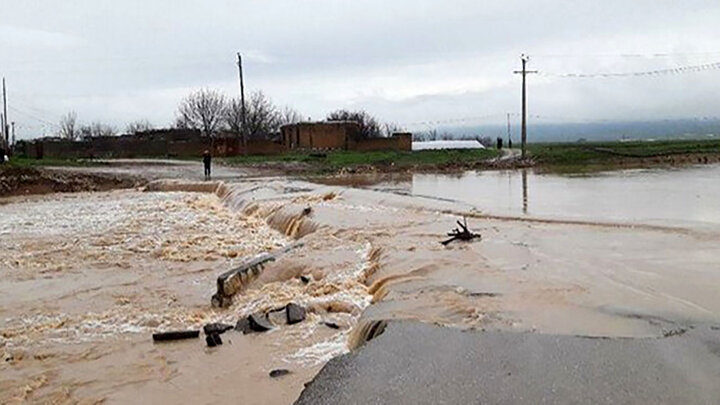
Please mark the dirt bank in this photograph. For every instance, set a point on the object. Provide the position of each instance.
(30, 180)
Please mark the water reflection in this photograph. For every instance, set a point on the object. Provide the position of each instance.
(665, 196)
(525, 191)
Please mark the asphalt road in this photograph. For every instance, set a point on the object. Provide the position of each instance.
(414, 363)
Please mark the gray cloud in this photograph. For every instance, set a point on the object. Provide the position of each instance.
(406, 61)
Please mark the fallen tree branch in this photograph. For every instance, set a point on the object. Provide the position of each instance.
(464, 234)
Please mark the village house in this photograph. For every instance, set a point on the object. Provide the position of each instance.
(342, 135)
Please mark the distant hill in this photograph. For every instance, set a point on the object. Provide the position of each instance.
(596, 131)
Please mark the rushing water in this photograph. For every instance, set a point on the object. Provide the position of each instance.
(690, 195)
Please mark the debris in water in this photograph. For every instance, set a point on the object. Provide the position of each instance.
(213, 340)
(243, 325)
(276, 316)
(216, 328)
(259, 323)
(175, 335)
(305, 279)
(294, 313)
(457, 234)
(279, 373)
(233, 281)
(331, 325)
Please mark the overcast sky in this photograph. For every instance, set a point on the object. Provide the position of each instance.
(405, 61)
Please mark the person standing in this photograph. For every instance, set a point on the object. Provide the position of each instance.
(207, 159)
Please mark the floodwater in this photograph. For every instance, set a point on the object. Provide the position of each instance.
(689, 196)
(88, 277)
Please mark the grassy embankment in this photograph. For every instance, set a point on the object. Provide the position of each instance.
(335, 161)
(597, 156)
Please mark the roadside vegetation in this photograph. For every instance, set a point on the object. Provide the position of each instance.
(595, 156)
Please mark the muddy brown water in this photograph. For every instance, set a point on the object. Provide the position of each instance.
(88, 277)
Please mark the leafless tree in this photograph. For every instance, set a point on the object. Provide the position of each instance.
(204, 110)
(68, 126)
(369, 125)
(138, 126)
(289, 115)
(232, 118)
(262, 117)
(96, 129)
(390, 128)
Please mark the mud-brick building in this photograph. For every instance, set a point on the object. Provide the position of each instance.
(334, 135)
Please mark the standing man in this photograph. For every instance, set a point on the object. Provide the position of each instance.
(207, 159)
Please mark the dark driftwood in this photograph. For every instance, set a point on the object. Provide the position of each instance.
(461, 234)
(176, 335)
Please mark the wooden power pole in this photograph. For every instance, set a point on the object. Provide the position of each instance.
(5, 128)
(509, 134)
(524, 58)
(242, 105)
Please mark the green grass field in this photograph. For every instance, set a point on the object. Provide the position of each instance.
(590, 156)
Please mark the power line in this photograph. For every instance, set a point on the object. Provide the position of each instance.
(646, 55)
(659, 72)
(33, 117)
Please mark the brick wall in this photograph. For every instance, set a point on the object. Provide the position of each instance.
(319, 135)
(188, 143)
(400, 142)
(170, 143)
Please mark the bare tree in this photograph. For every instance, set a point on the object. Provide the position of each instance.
(138, 126)
(232, 118)
(262, 117)
(204, 110)
(96, 129)
(390, 128)
(68, 126)
(289, 115)
(369, 125)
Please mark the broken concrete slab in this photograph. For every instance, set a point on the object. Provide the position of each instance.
(218, 328)
(276, 317)
(213, 340)
(233, 281)
(294, 314)
(259, 323)
(243, 325)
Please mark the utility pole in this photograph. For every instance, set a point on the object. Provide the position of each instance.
(12, 124)
(5, 117)
(242, 105)
(524, 58)
(509, 137)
